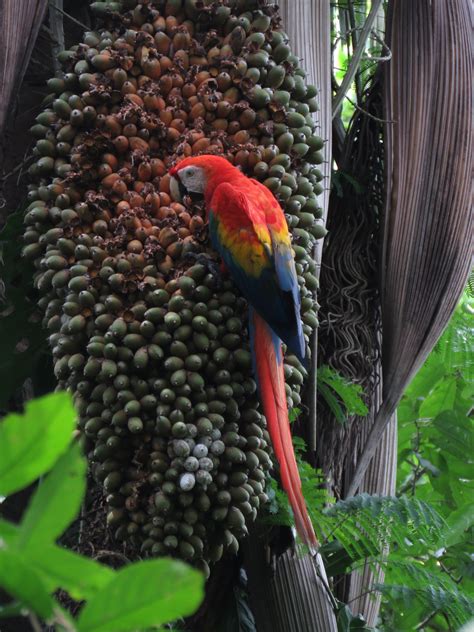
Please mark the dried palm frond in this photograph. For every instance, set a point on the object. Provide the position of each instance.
(427, 246)
(20, 21)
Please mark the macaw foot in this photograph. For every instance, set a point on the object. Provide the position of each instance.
(212, 266)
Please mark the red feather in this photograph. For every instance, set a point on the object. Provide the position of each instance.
(269, 367)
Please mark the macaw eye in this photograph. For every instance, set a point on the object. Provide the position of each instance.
(190, 172)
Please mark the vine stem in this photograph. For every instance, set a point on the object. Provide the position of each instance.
(356, 57)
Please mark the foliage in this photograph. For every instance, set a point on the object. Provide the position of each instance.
(347, 621)
(32, 566)
(340, 394)
(419, 595)
(436, 466)
(394, 533)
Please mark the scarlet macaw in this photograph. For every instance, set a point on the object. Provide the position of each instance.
(248, 229)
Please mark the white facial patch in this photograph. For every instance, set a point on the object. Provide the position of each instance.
(193, 179)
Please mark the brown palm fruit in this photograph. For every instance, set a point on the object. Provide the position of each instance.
(154, 347)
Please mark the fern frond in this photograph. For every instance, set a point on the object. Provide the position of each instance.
(454, 348)
(470, 284)
(374, 522)
(412, 584)
(340, 394)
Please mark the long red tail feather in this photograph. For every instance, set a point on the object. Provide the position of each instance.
(270, 375)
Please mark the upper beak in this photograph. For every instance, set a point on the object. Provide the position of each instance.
(177, 189)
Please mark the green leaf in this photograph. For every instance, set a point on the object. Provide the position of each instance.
(441, 398)
(414, 585)
(456, 435)
(332, 403)
(347, 622)
(30, 444)
(8, 531)
(349, 394)
(80, 576)
(148, 593)
(21, 582)
(458, 522)
(56, 502)
(425, 380)
(293, 414)
(58, 568)
(337, 560)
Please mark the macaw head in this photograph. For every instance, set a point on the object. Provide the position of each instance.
(199, 175)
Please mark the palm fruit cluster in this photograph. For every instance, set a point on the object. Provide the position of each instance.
(152, 344)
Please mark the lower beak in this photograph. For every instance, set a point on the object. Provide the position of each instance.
(177, 189)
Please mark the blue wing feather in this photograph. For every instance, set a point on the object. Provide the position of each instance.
(274, 294)
(288, 282)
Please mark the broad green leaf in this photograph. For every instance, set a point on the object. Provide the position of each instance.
(31, 443)
(56, 502)
(441, 398)
(463, 492)
(456, 434)
(80, 576)
(57, 567)
(21, 582)
(8, 531)
(429, 467)
(148, 593)
(347, 622)
(425, 380)
(458, 522)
